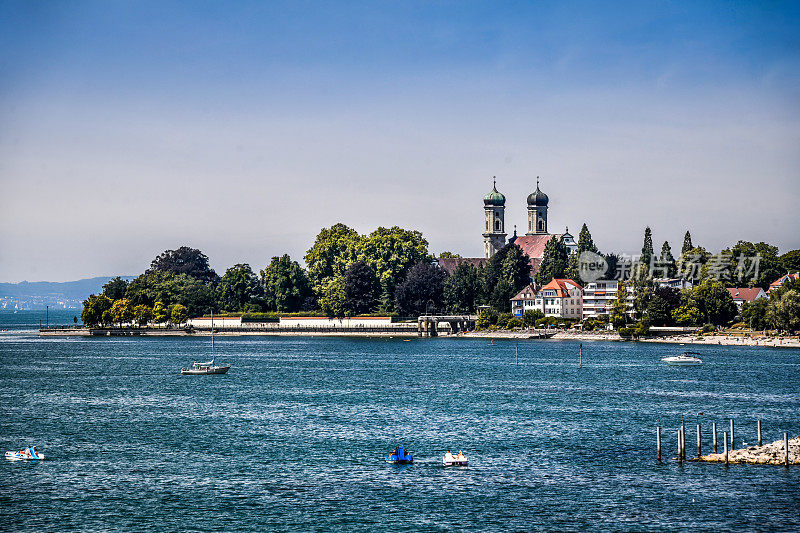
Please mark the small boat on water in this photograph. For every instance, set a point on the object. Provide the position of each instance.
(28, 454)
(454, 460)
(686, 358)
(400, 457)
(209, 367)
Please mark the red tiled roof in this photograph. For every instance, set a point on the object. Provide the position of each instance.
(747, 294)
(449, 264)
(781, 280)
(533, 245)
(560, 286)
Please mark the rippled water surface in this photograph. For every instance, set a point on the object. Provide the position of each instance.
(293, 436)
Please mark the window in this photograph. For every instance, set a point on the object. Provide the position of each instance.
(497, 225)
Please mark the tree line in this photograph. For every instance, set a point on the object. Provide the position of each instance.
(389, 272)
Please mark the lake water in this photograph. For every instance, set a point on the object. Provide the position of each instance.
(294, 436)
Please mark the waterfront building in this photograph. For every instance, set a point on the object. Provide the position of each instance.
(746, 294)
(599, 297)
(781, 280)
(523, 301)
(561, 298)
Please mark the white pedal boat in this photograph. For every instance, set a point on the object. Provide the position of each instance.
(454, 460)
(28, 454)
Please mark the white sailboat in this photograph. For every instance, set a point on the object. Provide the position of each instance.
(208, 367)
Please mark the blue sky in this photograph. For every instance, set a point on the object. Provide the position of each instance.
(243, 128)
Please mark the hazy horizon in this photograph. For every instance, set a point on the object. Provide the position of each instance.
(130, 128)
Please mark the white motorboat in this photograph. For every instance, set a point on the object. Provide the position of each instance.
(28, 454)
(454, 460)
(686, 358)
(209, 367)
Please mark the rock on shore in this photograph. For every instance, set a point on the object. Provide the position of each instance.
(768, 454)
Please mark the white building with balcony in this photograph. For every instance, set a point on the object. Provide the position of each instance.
(599, 297)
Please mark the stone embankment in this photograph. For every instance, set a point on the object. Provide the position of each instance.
(768, 454)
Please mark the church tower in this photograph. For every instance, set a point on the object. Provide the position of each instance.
(537, 212)
(494, 235)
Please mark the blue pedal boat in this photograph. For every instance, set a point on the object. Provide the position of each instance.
(400, 457)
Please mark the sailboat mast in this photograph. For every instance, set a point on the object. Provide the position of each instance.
(212, 338)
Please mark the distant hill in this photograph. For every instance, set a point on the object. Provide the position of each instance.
(38, 294)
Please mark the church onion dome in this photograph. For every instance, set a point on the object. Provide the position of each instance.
(494, 197)
(538, 198)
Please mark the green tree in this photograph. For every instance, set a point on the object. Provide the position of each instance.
(754, 313)
(668, 266)
(754, 265)
(160, 313)
(142, 314)
(332, 297)
(647, 253)
(687, 243)
(784, 311)
(238, 287)
(572, 272)
(115, 288)
(184, 260)
(661, 306)
(360, 288)
(446, 255)
(421, 290)
(692, 264)
(462, 289)
(333, 251)
(642, 294)
(585, 241)
(530, 317)
(714, 302)
(93, 309)
(554, 261)
(286, 285)
(170, 288)
(179, 314)
(390, 253)
(612, 262)
(121, 311)
(505, 274)
(619, 310)
(790, 261)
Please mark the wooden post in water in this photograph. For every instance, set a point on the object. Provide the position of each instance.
(725, 438)
(733, 444)
(698, 441)
(679, 445)
(786, 448)
(714, 434)
(658, 443)
(759, 432)
(580, 356)
(683, 443)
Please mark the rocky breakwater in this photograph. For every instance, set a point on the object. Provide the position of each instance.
(768, 454)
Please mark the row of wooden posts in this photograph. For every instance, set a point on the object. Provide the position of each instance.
(725, 440)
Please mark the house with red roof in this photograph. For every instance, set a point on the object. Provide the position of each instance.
(561, 298)
(781, 280)
(746, 294)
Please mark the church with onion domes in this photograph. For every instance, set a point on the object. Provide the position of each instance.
(494, 234)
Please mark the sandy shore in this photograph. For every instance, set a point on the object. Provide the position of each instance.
(720, 340)
(768, 454)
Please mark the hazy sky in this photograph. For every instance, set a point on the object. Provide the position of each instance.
(242, 129)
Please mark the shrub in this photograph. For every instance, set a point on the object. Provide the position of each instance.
(514, 322)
